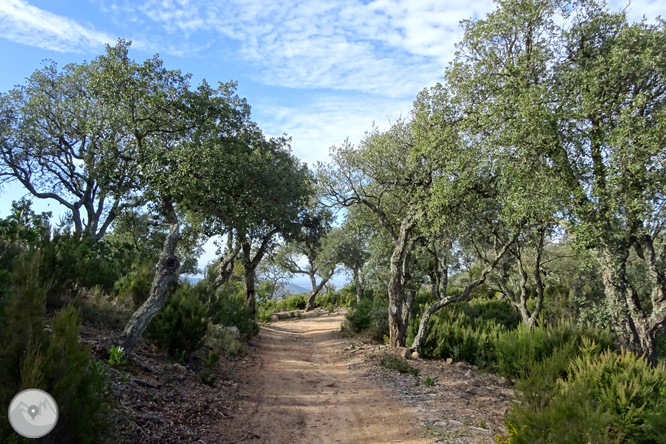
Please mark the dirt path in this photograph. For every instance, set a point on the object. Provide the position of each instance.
(304, 392)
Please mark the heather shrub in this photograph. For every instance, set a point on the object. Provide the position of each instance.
(369, 317)
(226, 307)
(180, 327)
(518, 351)
(53, 360)
(603, 398)
(292, 302)
(464, 332)
(135, 285)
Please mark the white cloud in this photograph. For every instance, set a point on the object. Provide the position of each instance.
(389, 48)
(328, 120)
(27, 24)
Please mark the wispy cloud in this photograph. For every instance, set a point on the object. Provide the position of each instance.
(389, 48)
(27, 24)
(327, 120)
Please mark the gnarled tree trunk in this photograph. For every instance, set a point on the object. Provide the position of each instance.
(629, 320)
(400, 303)
(165, 278)
(316, 288)
(250, 301)
(446, 300)
(226, 267)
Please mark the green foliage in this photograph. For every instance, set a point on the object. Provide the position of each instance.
(55, 362)
(519, 350)
(342, 298)
(369, 317)
(73, 380)
(227, 307)
(429, 382)
(265, 312)
(117, 356)
(605, 398)
(394, 362)
(135, 285)
(466, 331)
(488, 334)
(68, 264)
(180, 327)
(292, 302)
(222, 341)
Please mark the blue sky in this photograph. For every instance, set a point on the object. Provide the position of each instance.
(320, 71)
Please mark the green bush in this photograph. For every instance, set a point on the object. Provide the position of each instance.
(396, 363)
(520, 350)
(265, 311)
(292, 302)
(368, 317)
(55, 362)
(604, 398)
(342, 298)
(180, 327)
(464, 332)
(226, 307)
(135, 285)
(68, 264)
(220, 339)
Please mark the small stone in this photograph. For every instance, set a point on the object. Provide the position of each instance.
(403, 352)
(179, 368)
(415, 355)
(234, 331)
(274, 318)
(449, 361)
(469, 374)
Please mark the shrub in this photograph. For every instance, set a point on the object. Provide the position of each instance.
(55, 362)
(465, 332)
(98, 307)
(226, 307)
(223, 341)
(180, 327)
(265, 312)
(605, 398)
(73, 380)
(521, 349)
(293, 302)
(358, 320)
(135, 285)
(368, 317)
(394, 362)
(68, 264)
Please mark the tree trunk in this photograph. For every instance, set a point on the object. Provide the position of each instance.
(316, 289)
(250, 301)
(165, 278)
(226, 267)
(433, 308)
(629, 321)
(398, 320)
(359, 286)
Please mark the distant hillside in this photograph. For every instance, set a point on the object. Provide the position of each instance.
(293, 289)
(286, 290)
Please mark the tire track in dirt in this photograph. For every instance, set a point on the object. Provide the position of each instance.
(304, 392)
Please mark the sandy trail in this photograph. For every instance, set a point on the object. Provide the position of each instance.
(304, 392)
